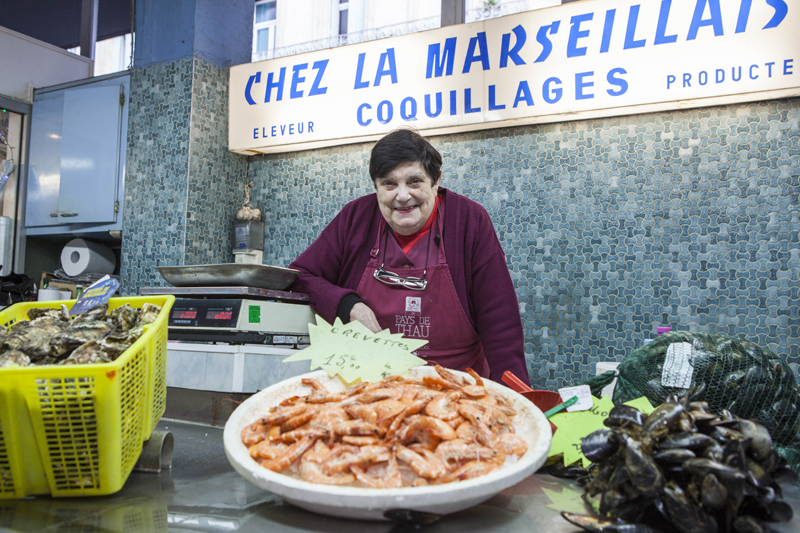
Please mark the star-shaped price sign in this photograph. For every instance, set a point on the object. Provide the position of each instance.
(353, 352)
(572, 427)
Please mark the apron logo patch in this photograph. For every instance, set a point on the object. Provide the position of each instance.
(413, 304)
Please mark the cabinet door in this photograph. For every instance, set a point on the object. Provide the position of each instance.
(44, 170)
(89, 155)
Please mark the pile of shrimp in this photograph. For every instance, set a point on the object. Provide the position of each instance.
(393, 433)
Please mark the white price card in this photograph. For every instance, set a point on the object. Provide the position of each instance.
(678, 369)
(584, 394)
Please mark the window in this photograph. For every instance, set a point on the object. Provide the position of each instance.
(343, 5)
(266, 14)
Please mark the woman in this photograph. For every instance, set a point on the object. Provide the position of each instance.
(419, 260)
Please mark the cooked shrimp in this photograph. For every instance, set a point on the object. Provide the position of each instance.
(297, 434)
(474, 391)
(365, 455)
(390, 477)
(471, 412)
(436, 427)
(357, 427)
(498, 419)
(470, 470)
(451, 376)
(478, 379)
(312, 472)
(438, 382)
(395, 425)
(326, 397)
(254, 433)
(466, 431)
(316, 385)
(267, 450)
(364, 412)
(387, 410)
(419, 464)
(291, 455)
(457, 451)
(356, 389)
(386, 393)
(274, 433)
(282, 415)
(512, 444)
(297, 421)
(357, 440)
(444, 407)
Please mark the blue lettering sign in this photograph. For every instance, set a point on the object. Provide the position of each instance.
(482, 55)
(781, 9)
(320, 67)
(428, 111)
(296, 80)
(492, 105)
(614, 79)
(360, 83)
(408, 115)
(523, 94)
(551, 95)
(441, 62)
(580, 84)
(576, 33)
(256, 78)
(608, 25)
(714, 20)
(630, 32)
(513, 53)
(360, 115)
(453, 102)
(385, 117)
(275, 85)
(661, 28)
(541, 38)
(468, 102)
(386, 67)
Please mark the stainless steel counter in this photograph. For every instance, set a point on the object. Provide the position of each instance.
(203, 493)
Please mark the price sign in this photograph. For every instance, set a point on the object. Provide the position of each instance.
(98, 293)
(354, 352)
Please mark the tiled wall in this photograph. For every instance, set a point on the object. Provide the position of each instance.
(182, 185)
(611, 227)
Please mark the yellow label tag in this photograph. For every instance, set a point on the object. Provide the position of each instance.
(572, 427)
(354, 352)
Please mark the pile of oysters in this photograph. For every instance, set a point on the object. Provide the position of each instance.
(52, 337)
(684, 469)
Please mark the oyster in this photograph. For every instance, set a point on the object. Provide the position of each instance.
(33, 337)
(149, 314)
(124, 317)
(78, 334)
(14, 358)
(87, 354)
(98, 312)
(37, 312)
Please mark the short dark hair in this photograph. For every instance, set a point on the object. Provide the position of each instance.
(404, 145)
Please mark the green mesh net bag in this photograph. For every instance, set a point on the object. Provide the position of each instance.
(727, 372)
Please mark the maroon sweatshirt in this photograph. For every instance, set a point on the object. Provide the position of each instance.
(333, 265)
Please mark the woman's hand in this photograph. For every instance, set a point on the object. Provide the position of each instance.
(364, 314)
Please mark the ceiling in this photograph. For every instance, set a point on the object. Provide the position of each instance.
(58, 22)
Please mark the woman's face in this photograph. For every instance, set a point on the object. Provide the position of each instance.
(406, 197)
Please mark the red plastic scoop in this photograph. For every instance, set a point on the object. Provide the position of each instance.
(543, 399)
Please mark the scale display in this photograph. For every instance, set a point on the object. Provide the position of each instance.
(205, 313)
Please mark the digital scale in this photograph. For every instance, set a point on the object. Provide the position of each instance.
(237, 315)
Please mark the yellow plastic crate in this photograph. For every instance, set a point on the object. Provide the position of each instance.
(78, 430)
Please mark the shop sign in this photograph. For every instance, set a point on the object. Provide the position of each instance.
(576, 61)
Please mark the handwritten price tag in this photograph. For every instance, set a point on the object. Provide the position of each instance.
(354, 352)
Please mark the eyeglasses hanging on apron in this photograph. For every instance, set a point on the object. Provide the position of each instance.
(390, 278)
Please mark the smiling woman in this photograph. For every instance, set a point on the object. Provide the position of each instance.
(418, 260)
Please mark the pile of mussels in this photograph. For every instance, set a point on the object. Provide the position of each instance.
(53, 337)
(683, 464)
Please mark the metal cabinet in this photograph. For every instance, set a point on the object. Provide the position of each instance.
(77, 155)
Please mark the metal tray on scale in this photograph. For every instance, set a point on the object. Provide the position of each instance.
(229, 274)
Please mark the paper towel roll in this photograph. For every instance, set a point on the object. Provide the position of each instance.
(86, 257)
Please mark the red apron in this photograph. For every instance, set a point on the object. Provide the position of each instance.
(434, 314)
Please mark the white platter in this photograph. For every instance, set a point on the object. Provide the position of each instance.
(369, 504)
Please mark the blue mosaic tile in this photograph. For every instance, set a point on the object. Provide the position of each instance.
(182, 183)
(611, 227)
